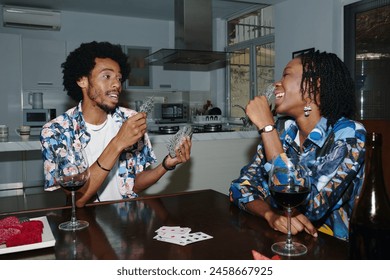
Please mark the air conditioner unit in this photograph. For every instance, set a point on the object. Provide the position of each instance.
(31, 18)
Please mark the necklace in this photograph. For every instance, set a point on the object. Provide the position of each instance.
(98, 127)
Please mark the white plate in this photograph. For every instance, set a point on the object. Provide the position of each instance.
(48, 240)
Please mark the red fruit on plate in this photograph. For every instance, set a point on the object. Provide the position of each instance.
(7, 233)
(10, 222)
(24, 238)
(32, 226)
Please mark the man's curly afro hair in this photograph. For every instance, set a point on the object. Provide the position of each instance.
(81, 61)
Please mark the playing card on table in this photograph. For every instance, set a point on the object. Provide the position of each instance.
(195, 237)
(173, 230)
(180, 236)
(177, 139)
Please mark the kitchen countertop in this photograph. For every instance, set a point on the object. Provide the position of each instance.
(17, 143)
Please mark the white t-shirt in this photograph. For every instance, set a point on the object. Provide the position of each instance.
(101, 135)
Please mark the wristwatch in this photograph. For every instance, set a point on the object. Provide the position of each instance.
(267, 128)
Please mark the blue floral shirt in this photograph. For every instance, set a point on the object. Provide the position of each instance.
(70, 129)
(334, 161)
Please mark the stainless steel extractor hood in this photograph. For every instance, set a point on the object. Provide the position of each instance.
(193, 40)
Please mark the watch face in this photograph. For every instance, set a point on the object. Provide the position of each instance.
(267, 128)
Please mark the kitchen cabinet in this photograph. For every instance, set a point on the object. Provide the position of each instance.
(41, 63)
(180, 80)
(140, 74)
(10, 77)
(214, 162)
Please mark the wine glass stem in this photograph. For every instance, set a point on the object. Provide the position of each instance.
(73, 219)
(289, 243)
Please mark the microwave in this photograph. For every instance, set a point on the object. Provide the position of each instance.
(38, 117)
(171, 112)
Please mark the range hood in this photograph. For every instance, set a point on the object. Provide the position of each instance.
(193, 40)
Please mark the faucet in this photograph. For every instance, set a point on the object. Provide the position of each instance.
(246, 122)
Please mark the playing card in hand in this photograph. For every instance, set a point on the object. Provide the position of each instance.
(177, 139)
(270, 95)
(148, 105)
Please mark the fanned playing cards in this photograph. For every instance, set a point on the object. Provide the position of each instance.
(176, 140)
(179, 235)
(269, 94)
(148, 105)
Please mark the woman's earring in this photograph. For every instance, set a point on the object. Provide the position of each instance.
(307, 110)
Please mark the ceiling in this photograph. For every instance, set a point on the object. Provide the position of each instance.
(152, 9)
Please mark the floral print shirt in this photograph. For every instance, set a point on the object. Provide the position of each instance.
(70, 129)
(334, 163)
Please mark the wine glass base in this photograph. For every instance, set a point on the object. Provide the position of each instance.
(291, 250)
(72, 226)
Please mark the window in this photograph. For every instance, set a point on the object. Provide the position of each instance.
(252, 63)
(367, 55)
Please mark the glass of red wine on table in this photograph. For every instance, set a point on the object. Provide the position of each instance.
(72, 172)
(288, 190)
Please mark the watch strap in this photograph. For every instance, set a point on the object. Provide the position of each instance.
(165, 166)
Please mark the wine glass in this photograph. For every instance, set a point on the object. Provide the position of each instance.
(72, 172)
(288, 191)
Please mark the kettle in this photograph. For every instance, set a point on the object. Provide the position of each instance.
(36, 100)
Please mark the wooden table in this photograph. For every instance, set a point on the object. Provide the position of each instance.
(125, 230)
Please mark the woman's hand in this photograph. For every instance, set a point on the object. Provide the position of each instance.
(299, 223)
(259, 112)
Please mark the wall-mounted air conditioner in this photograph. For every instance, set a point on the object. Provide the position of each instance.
(31, 18)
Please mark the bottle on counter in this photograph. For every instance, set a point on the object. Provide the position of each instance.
(369, 229)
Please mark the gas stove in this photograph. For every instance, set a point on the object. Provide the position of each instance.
(209, 128)
(197, 128)
(168, 129)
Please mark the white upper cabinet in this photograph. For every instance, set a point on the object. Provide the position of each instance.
(10, 76)
(41, 63)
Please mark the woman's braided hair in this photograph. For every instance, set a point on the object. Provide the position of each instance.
(81, 62)
(326, 77)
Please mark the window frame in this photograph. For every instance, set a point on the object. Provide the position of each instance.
(251, 45)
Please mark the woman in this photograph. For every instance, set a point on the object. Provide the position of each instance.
(315, 99)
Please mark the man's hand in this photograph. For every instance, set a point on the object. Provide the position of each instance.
(183, 153)
(132, 130)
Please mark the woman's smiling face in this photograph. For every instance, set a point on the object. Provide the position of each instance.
(288, 94)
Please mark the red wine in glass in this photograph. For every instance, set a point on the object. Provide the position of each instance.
(289, 197)
(72, 172)
(289, 190)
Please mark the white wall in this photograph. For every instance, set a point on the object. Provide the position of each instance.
(302, 24)
(83, 27)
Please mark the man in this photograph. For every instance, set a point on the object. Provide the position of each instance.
(115, 139)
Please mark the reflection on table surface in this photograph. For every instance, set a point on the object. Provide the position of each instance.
(125, 230)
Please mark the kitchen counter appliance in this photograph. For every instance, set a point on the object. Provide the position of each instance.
(207, 128)
(169, 113)
(38, 117)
